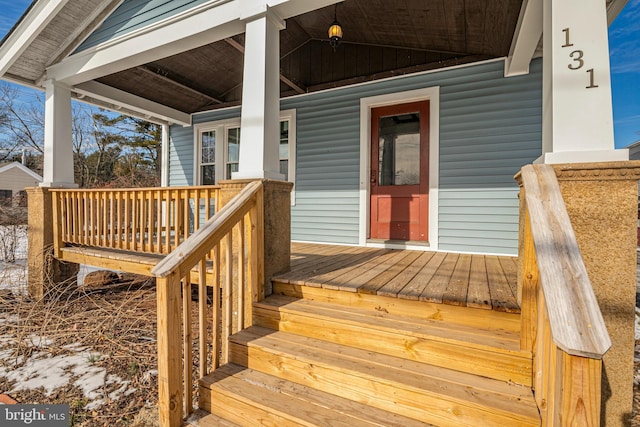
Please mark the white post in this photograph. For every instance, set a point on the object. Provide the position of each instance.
(58, 145)
(164, 161)
(577, 111)
(260, 117)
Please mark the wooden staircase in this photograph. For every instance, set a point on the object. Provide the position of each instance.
(350, 336)
(306, 361)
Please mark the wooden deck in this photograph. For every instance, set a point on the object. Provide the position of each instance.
(479, 281)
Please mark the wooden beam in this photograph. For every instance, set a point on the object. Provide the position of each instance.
(237, 46)
(163, 75)
(525, 39)
(444, 52)
(102, 92)
(300, 88)
(398, 72)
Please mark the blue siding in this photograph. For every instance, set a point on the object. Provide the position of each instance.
(489, 127)
(134, 14)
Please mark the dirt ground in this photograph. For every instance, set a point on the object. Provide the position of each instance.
(118, 323)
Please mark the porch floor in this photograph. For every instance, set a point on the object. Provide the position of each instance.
(478, 281)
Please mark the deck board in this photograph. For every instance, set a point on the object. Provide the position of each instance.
(478, 281)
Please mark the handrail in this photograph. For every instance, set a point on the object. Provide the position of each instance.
(576, 322)
(226, 257)
(188, 253)
(561, 323)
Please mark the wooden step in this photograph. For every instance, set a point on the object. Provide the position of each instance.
(202, 418)
(475, 317)
(248, 398)
(487, 352)
(405, 387)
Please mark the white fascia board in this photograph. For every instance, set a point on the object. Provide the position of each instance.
(287, 8)
(132, 102)
(525, 39)
(196, 27)
(22, 168)
(31, 26)
(614, 8)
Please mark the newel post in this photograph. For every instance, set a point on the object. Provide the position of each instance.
(45, 272)
(602, 203)
(275, 238)
(169, 351)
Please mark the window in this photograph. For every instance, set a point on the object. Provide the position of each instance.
(5, 195)
(233, 151)
(284, 149)
(208, 157)
(218, 144)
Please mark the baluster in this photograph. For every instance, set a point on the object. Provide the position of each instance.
(202, 315)
(187, 350)
(216, 303)
(241, 283)
(226, 300)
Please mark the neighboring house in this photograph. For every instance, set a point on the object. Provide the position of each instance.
(404, 130)
(634, 151)
(14, 178)
(634, 154)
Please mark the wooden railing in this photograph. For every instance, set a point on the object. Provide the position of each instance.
(233, 240)
(147, 220)
(561, 321)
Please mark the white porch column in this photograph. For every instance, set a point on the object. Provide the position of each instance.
(260, 117)
(577, 111)
(58, 145)
(164, 161)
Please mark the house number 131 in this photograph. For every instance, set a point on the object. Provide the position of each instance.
(577, 59)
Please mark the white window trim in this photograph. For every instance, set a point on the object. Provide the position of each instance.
(221, 126)
(290, 115)
(432, 94)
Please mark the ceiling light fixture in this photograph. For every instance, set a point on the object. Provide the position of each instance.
(335, 30)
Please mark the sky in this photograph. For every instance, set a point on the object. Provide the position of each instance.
(624, 46)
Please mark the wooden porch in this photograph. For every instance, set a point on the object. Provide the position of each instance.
(348, 335)
(478, 281)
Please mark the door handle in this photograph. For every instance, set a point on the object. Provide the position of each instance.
(374, 174)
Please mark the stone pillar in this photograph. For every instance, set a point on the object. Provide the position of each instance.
(45, 271)
(277, 223)
(602, 202)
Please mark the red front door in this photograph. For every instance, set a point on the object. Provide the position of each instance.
(399, 172)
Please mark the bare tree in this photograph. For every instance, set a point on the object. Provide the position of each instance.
(108, 149)
(22, 123)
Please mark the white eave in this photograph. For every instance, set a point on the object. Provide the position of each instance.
(528, 34)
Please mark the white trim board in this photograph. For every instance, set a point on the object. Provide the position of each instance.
(366, 104)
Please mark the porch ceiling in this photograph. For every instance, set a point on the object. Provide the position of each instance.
(381, 38)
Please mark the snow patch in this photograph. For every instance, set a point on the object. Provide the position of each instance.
(48, 372)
